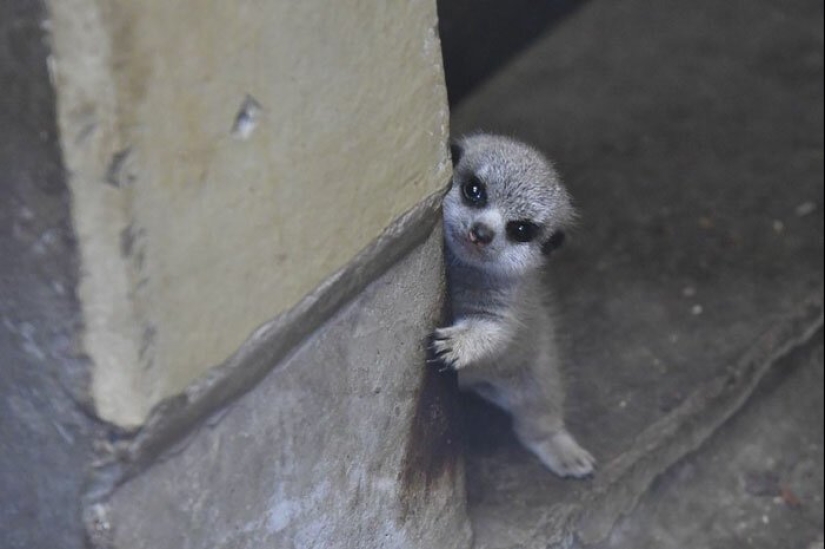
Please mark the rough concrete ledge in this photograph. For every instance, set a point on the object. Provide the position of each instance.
(619, 486)
(350, 442)
(127, 454)
(757, 483)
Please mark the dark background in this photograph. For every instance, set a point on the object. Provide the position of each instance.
(479, 36)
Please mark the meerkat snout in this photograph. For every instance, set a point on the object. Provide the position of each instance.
(481, 234)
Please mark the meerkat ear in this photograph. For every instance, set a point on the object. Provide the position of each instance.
(456, 150)
(555, 242)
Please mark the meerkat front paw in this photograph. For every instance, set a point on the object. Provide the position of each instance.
(562, 454)
(449, 346)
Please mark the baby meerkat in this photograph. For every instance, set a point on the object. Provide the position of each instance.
(504, 214)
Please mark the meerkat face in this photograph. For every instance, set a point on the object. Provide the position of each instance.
(506, 209)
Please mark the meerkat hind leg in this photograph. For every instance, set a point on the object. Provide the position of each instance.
(553, 445)
(543, 433)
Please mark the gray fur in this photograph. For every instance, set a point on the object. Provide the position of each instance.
(502, 338)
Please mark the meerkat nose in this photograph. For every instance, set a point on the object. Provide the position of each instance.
(481, 234)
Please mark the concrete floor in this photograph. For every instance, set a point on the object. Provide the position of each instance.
(691, 137)
(757, 484)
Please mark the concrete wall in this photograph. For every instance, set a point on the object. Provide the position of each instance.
(224, 159)
(220, 262)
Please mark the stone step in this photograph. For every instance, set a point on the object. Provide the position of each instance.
(757, 483)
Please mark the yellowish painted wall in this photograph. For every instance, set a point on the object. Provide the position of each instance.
(192, 235)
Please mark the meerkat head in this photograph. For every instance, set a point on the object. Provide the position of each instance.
(506, 210)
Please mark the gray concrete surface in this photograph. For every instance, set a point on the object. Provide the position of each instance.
(174, 418)
(385, 470)
(690, 136)
(757, 484)
(45, 435)
(348, 443)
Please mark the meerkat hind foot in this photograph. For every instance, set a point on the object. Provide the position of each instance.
(562, 454)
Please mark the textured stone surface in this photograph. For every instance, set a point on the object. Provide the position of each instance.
(45, 438)
(173, 418)
(758, 484)
(348, 443)
(220, 156)
(690, 136)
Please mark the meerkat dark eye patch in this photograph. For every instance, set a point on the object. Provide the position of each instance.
(474, 191)
(555, 242)
(522, 231)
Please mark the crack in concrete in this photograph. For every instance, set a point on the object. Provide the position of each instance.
(623, 482)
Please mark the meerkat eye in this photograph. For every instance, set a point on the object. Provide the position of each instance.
(474, 192)
(522, 231)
